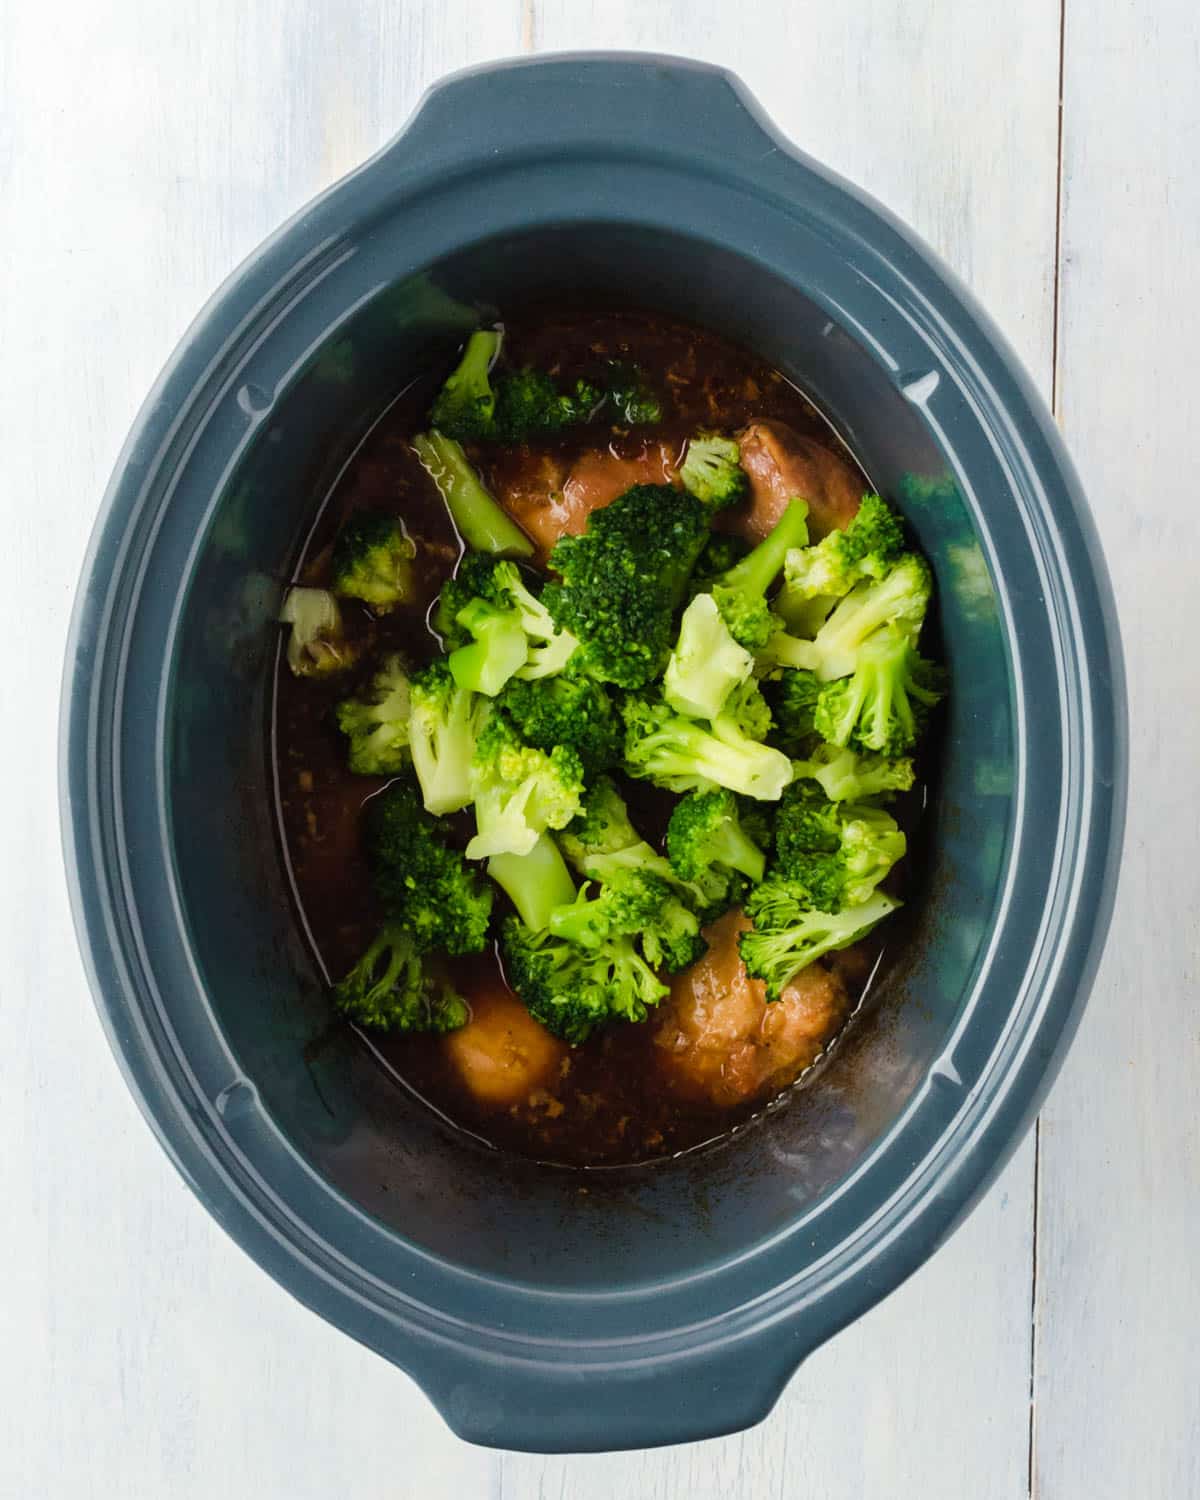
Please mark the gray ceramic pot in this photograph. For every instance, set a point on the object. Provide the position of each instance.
(661, 1304)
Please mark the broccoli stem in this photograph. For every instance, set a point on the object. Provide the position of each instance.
(535, 883)
(733, 847)
(755, 573)
(481, 522)
(498, 650)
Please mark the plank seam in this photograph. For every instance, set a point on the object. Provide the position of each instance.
(1058, 211)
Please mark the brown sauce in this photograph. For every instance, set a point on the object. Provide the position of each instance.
(714, 1054)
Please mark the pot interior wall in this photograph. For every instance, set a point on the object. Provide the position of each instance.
(321, 1086)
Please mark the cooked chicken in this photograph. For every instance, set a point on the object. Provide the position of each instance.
(502, 1054)
(722, 1043)
(782, 465)
(549, 500)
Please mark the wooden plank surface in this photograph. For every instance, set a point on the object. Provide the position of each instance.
(1118, 1306)
(144, 149)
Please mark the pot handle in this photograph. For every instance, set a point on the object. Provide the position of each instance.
(576, 1408)
(559, 104)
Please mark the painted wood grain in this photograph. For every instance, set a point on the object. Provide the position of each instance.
(1118, 1308)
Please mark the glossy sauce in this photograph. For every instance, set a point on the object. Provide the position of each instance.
(714, 1053)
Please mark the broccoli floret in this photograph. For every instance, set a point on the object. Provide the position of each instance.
(481, 522)
(391, 989)
(425, 886)
(748, 711)
(512, 632)
(710, 471)
(708, 846)
(833, 854)
(846, 776)
(788, 935)
(444, 723)
(632, 401)
(473, 578)
(529, 404)
(867, 548)
(571, 989)
(372, 561)
(741, 592)
(806, 822)
(721, 551)
(685, 755)
(465, 406)
(497, 648)
(883, 704)
(378, 725)
(549, 647)
(602, 840)
(536, 883)
(793, 704)
(519, 792)
(623, 579)
(316, 644)
(706, 664)
(570, 709)
(477, 403)
(637, 905)
(898, 599)
(602, 843)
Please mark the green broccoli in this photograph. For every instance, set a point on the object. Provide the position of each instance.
(898, 599)
(710, 471)
(316, 645)
(747, 709)
(482, 523)
(706, 664)
(631, 399)
(623, 579)
(378, 726)
(721, 551)
(570, 709)
(788, 935)
(638, 905)
(465, 407)
(529, 405)
(867, 548)
(602, 843)
(846, 776)
(512, 632)
(426, 887)
(833, 854)
(444, 723)
(536, 883)
(601, 840)
(519, 792)
(473, 578)
(372, 561)
(497, 648)
(479, 404)
(685, 755)
(549, 647)
(793, 706)
(883, 704)
(709, 847)
(571, 989)
(741, 592)
(391, 989)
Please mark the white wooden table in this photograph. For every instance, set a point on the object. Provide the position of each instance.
(1053, 1347)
